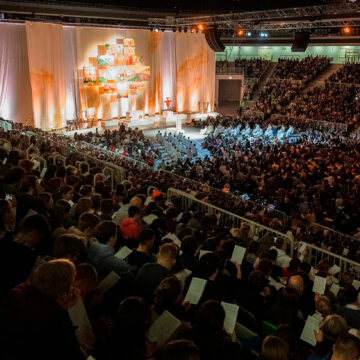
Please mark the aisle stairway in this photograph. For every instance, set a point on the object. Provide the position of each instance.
(320, 79)
(264, 80)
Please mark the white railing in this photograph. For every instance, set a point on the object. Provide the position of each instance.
(314, 124)
(314, 255)
(332, 234)
(232, 70)
(256, 230)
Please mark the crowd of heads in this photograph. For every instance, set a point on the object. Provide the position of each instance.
(330, 102)
(348, 74)
(62, 232)
(304, 69)
(67, 231)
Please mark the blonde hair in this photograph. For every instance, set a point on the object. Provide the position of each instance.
(54, 278)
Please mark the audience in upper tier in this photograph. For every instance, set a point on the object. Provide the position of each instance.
(330, 102)
(304, 69)
(348, 74)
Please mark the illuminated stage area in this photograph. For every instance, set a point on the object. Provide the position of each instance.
(89, 74)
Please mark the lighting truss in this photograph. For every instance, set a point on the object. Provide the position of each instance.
(333, 15)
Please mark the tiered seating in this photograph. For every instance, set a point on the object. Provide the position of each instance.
(305, 69)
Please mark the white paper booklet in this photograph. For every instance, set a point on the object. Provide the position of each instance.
(335, 288)
(123, 252)
(80, 319)
(195, 291)
(238, 254)
(172, 237)
(163, 327)
(319, 285)
(307, 334)
(231, 313)
(109, 281)
(356, 284)
(275, 284)
(150, 218)
(334, 270)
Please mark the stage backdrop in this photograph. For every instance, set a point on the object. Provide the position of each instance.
(52, 73)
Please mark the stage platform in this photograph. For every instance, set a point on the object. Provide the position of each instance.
(145, 123)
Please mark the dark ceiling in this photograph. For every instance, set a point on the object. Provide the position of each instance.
(193, 5)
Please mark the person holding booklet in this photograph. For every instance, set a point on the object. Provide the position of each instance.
(142, 254)
(101, 252)
(34, 319)
(151, 274)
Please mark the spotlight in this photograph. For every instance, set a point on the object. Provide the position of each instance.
(156, 29)
(248, 33)
(263, 34)
(346, 30)
(194, 29)
(201, 27)
(241, 32)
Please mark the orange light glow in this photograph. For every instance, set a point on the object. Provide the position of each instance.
(201, 27)
(347, 29)
(241, 32)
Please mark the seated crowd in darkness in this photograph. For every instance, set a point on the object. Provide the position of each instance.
(61, 231)
(304, 69)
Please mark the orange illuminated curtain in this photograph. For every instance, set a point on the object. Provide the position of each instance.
(195, 72)
(46, 65)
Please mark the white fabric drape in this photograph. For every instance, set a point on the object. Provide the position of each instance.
(70, 73)
(168, 69)
(46, 63)
(40, 67)
(195, 72)
(15, 90)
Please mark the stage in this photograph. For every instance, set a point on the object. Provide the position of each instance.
(155, 123)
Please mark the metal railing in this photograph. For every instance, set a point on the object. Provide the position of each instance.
(314, 124)
(233, 70)
(314, 255)
(342, 84)
(333, 235)
(256, 229)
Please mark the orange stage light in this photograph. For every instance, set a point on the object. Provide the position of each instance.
(201, 27)
(347, 30)
(241, 32)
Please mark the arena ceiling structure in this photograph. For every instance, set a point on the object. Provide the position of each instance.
(258, 22)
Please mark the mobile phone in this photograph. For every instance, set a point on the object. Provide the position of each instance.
(8, 197)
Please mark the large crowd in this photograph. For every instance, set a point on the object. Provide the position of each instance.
(98, 267)
(114, 273)
(304, 69)
(348, 74)
(331, 102)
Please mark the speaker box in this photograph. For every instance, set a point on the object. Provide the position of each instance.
(213, 39)
(301, 41)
